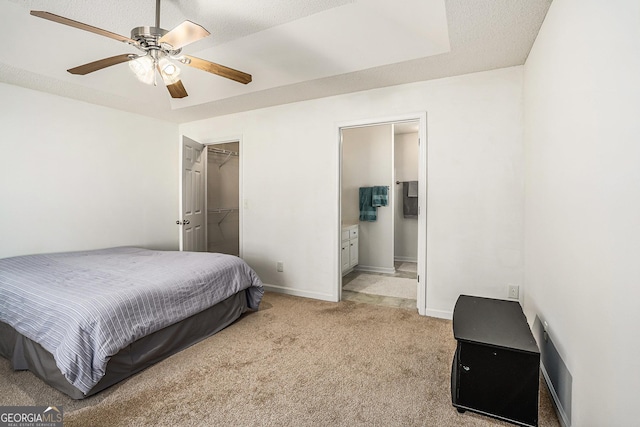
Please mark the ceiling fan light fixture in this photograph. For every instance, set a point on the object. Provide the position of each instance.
(143, 68)
(169, 71)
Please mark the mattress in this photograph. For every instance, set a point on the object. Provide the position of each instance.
(84, 308)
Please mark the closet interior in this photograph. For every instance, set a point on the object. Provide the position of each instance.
(223, 190)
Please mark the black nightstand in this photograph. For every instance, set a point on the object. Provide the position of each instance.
(496, 365)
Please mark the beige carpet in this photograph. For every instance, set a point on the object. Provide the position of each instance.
(295, 362)
(388, 286)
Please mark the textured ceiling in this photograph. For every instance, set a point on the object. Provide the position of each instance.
(295, 50)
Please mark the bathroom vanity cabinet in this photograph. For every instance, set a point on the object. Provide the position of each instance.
(349, 248)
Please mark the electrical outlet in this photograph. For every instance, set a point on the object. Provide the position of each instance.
(280, 266)
(514, 291)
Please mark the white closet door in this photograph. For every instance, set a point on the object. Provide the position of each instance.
(193, 193)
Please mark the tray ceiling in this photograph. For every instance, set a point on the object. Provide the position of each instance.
(294, 50)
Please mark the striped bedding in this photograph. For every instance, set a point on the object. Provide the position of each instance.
(84, 307)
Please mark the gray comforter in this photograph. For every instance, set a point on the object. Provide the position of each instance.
(84, 307)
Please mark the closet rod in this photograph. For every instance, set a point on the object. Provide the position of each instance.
(221, 151)
(222, 210)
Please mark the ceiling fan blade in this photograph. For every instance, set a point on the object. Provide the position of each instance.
(177, 90)
(70, 22)
(217, 69)
(100, 64)
(183, 34)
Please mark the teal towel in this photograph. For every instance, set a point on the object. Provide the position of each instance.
(367, 211)
(380, 196)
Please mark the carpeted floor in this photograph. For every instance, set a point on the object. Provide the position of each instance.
(295, 362)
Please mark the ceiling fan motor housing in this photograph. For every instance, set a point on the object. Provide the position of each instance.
(148, 36)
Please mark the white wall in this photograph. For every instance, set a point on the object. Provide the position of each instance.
(582, 102)
(77, 176)
(367, 157)
(475, 176)
(406, 155)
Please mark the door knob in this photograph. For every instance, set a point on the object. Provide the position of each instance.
(179, 222)
(186, 221)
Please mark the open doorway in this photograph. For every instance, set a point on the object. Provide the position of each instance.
(211, 216)
(223, 198)
(386, 158)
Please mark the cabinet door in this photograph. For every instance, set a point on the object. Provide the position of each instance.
(499, 382)
(353, 252)
(344, 254)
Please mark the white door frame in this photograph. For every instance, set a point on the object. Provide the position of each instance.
(216, 141)
(421, 117)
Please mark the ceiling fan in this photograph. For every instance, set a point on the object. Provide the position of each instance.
(159, 49)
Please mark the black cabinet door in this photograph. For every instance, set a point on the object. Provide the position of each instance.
(498, 381)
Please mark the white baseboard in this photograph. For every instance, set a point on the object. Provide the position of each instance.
(562, 415)
(300, 293)
(370, 269)
(405, 259)
(557, 377)
(440, 314)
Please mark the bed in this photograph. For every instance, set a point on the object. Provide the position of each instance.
(83, 321)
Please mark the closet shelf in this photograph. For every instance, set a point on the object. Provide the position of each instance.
(225, 211)
(222, 210)
(228, 153)
(211, 150)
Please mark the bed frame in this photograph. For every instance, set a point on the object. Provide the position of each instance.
(25, 354)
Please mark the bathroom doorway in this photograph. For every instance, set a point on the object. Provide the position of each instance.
(387, 157)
